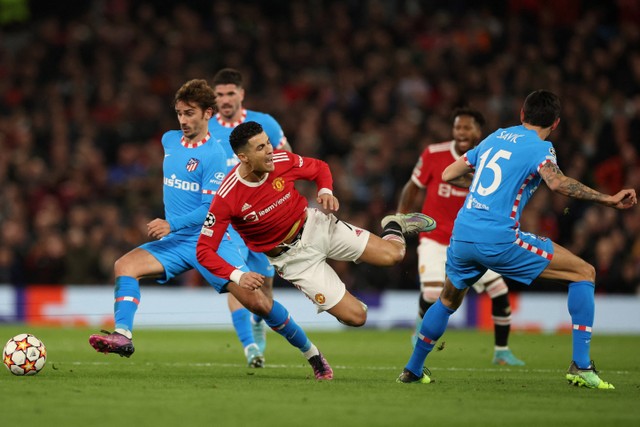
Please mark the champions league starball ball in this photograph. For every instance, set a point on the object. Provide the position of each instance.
(24, 354)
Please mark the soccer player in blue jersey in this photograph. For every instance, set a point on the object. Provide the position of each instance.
(228, 87)
(193, 169)
(509, 165)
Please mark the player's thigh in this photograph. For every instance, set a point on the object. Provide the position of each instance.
(567, 266)
(432, 257)
(462, 267)
(523, 260)
(307, 269)
(338, 240)
(174, 253)
(138, 262)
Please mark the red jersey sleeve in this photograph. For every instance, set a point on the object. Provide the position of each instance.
(213, 230)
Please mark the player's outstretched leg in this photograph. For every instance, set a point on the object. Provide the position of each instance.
(127, 298)
(281, 322)
(241, 319)
(501, 314)
(433, 326)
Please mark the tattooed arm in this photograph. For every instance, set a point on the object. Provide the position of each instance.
(559, 183)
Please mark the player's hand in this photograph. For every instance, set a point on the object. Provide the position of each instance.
(329, 202)
(624, 199)
(251, 280)
(158, 228)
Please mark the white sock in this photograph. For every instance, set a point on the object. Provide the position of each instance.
(313, 351)
(127, 333)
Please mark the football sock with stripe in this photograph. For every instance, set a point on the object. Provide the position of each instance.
(281, 322)
(241, 320)
(127, 298)
(433, 326)
(581, 303)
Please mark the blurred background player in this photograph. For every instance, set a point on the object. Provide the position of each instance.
(228, 87)
(260, 200)
(193, 168)
(509, 166)
(443, 201)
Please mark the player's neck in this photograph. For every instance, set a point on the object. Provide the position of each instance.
(247, 173)
(199, 137)
(543, 133)
(236, 118)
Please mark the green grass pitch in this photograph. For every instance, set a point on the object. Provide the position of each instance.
(186, 378)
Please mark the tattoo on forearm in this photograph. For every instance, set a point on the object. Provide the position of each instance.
(578, 190)
(552, 175)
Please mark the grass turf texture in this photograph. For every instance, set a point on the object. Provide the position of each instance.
(189, 377)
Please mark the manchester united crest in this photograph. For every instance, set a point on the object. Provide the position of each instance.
(278, 184)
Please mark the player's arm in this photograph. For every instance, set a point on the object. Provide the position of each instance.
(213, 230)
(562, 184)
(459, 173)
(409, 197)
(318, 171)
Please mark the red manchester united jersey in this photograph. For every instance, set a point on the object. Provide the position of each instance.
(443, 200)
(262, 212)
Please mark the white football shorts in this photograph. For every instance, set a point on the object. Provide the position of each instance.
(432, 258)
(304, 264)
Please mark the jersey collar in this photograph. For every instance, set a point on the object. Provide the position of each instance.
(243, 117)
(452, 148)
(194, 144)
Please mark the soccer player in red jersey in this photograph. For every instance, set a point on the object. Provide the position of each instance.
(443, 201)
(259, 199)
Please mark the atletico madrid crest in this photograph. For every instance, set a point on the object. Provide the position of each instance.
(192, 164)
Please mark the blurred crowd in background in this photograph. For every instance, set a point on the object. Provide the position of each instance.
(86, 90)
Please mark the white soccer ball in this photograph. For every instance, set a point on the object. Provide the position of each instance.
(24, 354)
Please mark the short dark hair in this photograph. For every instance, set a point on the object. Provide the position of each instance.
(541, 108)
(196, 91)
(242, 133)
(228, 76)
(471, 112)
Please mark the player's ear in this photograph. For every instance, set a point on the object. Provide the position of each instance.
(555, 124)
(242, 156)
(208, 113)
(522, 115)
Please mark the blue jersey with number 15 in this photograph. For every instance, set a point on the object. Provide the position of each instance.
(507, 165)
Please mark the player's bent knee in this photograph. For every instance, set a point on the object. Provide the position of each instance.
(355, 320)
(123, 267)
(254, 301)
(589, 272)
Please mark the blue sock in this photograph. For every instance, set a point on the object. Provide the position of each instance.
(434, 323)
(242, 324)
(281, 321)
(127, 296)
(581, 303)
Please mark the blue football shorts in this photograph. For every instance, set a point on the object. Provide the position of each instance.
(256, 261)
(523, 260)
(177, 254)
